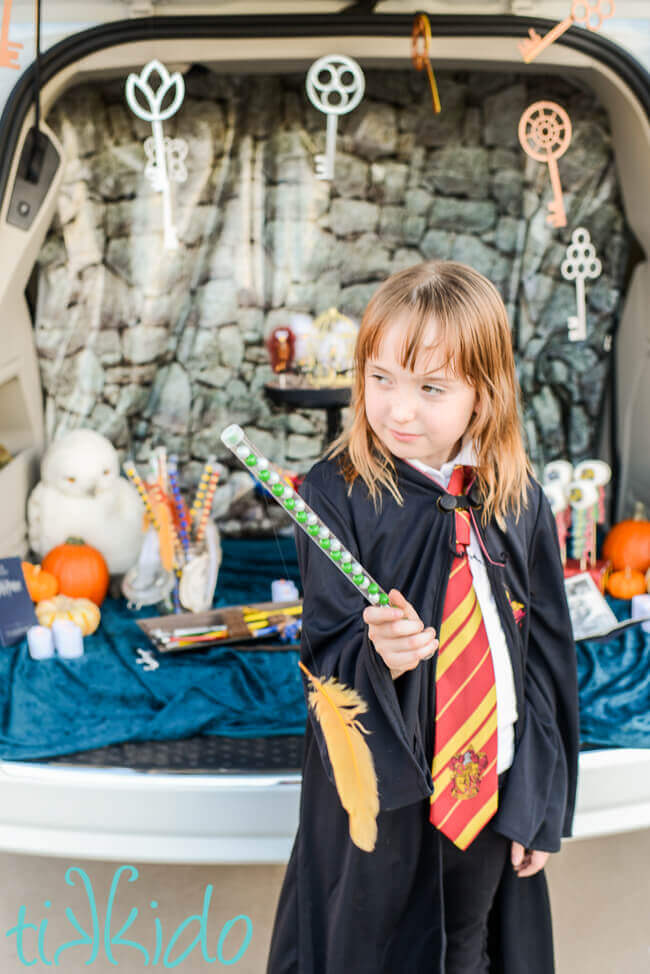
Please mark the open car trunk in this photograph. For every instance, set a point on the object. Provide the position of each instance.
(213, 798)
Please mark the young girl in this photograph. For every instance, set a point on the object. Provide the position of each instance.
(435, 389)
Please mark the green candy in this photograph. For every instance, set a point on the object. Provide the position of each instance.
(264, 475)
(313, 529)
(277, 490)
(301, 517)
(251, 460)
(325, 543)
(336, 556)
(357, 579)
(373, 588)
(383, 599)
(290, 503)
(347, 567)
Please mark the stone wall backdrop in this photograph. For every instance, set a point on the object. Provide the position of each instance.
(151, 347)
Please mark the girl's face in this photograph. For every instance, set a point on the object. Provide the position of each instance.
(419, 415)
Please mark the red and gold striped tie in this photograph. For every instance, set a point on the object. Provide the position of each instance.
(465, 753)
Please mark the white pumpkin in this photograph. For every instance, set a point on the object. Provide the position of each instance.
(83, 612)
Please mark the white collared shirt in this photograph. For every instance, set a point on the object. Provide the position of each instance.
(505, 685)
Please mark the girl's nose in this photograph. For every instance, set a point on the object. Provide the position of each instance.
(403, 410)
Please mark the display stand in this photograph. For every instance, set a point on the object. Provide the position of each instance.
(330, 398)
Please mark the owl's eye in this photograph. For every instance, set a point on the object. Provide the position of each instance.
(72, 480)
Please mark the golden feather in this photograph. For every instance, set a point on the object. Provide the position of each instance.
(337, 708)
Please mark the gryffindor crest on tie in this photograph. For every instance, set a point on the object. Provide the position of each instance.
(467, 769)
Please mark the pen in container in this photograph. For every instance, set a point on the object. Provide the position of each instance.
(165, 636)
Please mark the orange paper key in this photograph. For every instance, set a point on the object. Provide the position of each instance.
(589, 15)
(545, 134)
(420, 42)
(8, 49)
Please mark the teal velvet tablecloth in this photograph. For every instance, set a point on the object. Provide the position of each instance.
(55, 707)
(614, 686)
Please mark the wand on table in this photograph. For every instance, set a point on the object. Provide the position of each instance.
(306, 519)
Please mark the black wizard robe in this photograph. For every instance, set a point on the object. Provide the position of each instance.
(345, 911)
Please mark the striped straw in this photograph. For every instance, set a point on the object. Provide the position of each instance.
(129, 469)
(181, 510)
(162, 469)
(179, 554)
(197, 505)
(207, 504)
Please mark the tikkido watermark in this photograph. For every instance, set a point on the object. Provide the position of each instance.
(32, 939)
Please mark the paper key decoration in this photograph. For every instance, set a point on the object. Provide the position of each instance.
(166, 157)
(589, 15)
(580, 263)
(335, 85)
(306, 519)
(420, 43)
(545, 133)
(8, 49)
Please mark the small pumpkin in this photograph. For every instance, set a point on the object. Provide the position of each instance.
(628, 543)
(626, 583)
(81, 570)
(83, 612)
(40, 584)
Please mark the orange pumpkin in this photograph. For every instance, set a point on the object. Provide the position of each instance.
(40, 585)
(80, 569)
(628, 543)
(626, 583)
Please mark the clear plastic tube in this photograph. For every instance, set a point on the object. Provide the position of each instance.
(307, 520)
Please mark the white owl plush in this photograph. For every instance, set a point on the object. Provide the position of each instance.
(82, 495)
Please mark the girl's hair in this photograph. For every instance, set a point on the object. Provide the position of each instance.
(473, 331)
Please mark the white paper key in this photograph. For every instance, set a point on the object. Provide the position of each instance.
(580, 263)
(335, 85)
(164, 154)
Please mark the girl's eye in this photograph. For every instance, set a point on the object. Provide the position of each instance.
(434, 390)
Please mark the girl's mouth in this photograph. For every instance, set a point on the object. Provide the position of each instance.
(404, 436)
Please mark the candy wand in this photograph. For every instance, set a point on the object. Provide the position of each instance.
(306, 519)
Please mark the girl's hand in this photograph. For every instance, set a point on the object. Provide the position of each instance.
(527, 862)
(398, 634)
